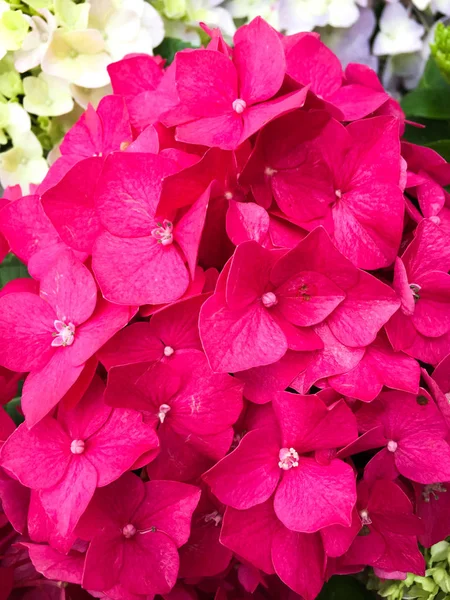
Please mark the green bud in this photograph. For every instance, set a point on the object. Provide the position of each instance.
(426, 583)
(440, 49)
(10, 81)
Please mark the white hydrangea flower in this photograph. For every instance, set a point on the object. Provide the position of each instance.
(249, 9)
(78, 57)
(84, 96)
(399, 32)
(180, 30)
(209, 12)
(127, 27)
(47, 96)
(24, 163)
(305, 15)
(19, 121)
(4, 6)
(36, 42)
(352, 44)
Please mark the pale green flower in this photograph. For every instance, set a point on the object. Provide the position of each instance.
(38, 5)
(173, 9)
(36, 41)
(78, 57)
(19, 122)
(47, 96)
(71, 15)
(209, 12)
(10, 81)
(24, 163)
(13, 29)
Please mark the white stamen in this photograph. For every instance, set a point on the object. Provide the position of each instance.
(269, 171)
(164, 233)
(338, 193)
(365, 519)
(239, 106)
(288, 458)
(214, 516)
(392, 446)
(65, 334)
(269, 299)
(77, 447)
(168, 351)
(163, 410)
(129, 530)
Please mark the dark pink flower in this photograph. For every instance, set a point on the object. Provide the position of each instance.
(275, 299)
(290, 460)
(412, 433)
(192, 408)
(54, 334)
(67, 459)
(135, 530)
(225, 113)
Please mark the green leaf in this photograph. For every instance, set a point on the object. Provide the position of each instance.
(344, 587)
(434, 131)
(432, 77)
(169, 47)
(11, 268)
(428, 103)
(442, 147)
(11, 409)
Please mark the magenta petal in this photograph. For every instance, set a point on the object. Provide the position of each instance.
(312, 496)
(55, 565)
(337, 539)
(38, 457)
(70, 205)
(249, 475)
(67, 500)
(134, 344)
(259, 59)
(73, 302)
(23, 348)
(247, 221)
(431, 315)
(222, 131)
(299, 561)
(168, 506)
(249, 533)
(104, 560)
(423, 458)
(236, 340)
(357, 101)
(188, 230)
(43, 389)
(150, 564)
(138, 270)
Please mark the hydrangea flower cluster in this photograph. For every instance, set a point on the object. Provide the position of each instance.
(53, 61)
(235, 343)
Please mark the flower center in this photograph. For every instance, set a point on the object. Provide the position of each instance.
(65, 334)
(432, 491)
(269, 299)
(288, 458)
(269, 171)
(129, 530)
(338, 193)
(164, 232)
(215, 516)
(163, 410)
(239, 105)
(365, 519)
(168, 351)
(392, 446)
(77, 447)
(415, 289)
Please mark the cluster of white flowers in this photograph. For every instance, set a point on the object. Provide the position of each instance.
(54, 58)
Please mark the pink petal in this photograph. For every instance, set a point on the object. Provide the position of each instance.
(24, 347)
(70, 205)
(431, 315)
(104, 560)
(299, 562)
(135, 74)
(357, 101)
(247, 221)
(56, 566)
(138, 270)
(423, 458)
(312, 496)
(169, 506)
(177, 325)
(134, 344)
(38, 457)
(249, 475)
(222, 131)
(249, 533)
(67, 500)
(259, 59)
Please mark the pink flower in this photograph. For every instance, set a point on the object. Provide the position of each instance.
(291, 461)
(422, 327)
(344, 178)
(66, 459)
(54, 334)
(275, 298)
(412, 433)
(135, 530)
(192, 408)
(226, 113)
(309, 60)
